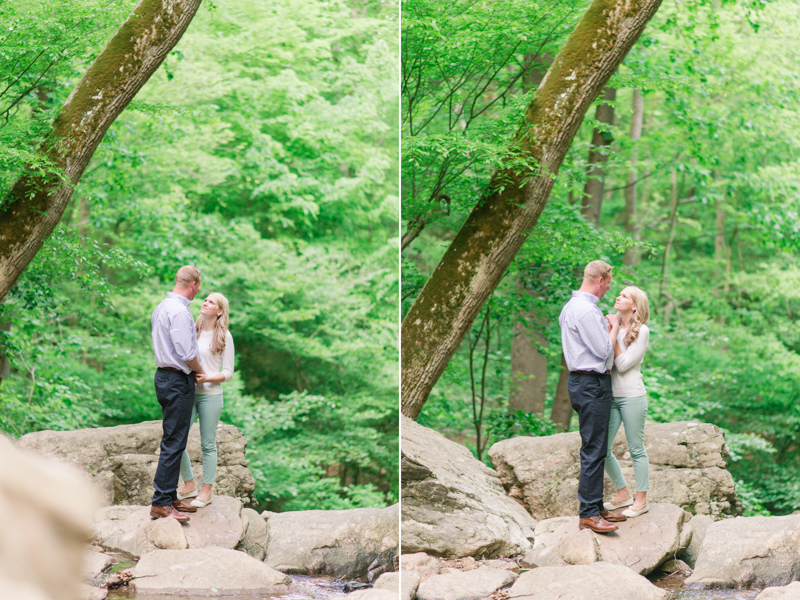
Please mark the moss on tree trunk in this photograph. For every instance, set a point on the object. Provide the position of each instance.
(35, 204)
(498, 226)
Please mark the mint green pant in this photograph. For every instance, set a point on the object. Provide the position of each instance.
(209, 408)
(632, 412)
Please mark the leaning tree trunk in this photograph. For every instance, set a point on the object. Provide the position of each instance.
(496, 229)
(561, 412)
(598, 157)
(35, 204)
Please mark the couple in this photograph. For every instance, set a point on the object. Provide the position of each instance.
(604, 357)
(193, 359)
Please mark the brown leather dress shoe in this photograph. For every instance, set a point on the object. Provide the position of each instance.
(160, 512)
(597, 524)
(178, 505)
(612, 517)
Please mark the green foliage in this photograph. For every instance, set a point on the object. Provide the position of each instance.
(265, 153)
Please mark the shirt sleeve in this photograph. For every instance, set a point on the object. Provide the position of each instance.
(182, 333)
(634, 353)
(227, 357)
(594, 333)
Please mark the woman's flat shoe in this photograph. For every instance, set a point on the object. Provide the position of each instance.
(189, 495)
(199, 503)
(635, 513)
(611, 506)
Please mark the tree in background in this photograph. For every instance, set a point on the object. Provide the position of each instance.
(264, 152)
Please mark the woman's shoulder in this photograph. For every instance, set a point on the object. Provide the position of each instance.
(228, 336)
(644, 329)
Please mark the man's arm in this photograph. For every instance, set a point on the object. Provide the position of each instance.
(596, 335)
(194, 365)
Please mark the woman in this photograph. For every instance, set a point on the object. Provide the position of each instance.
(630, 400)
(215, 346)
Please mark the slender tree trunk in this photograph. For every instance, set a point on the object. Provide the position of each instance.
(598, 156)
(631, 224)
(496, 229)
(561, 413)
(528, 365)
(35, 204)
(719, 240)
(673, 215)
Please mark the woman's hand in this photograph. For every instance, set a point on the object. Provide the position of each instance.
(201, 378)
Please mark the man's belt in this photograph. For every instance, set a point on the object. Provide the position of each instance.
(592, 372)
(178, 370)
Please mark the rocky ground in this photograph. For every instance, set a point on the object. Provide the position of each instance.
(464, 536)
(226, 548)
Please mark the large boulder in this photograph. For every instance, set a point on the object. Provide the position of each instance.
(585, 582)
(254, 540)
(641, 544)
(217, 570)
(46, 513)
(360, 543)
(749, 552)
(688, 463)
(454, 505)
(130, 530)
(122, 460)
(459, 585)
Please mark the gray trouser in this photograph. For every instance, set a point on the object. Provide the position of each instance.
(632, 412)
(209, 408)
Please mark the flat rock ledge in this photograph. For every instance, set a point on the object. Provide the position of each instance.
(688, 467)
(223, 523)
(641, 544)
(360, 543)
(453, 505)
(465, 585)
(216, 570)
(585, 582)
(122, 460)
(749, 552)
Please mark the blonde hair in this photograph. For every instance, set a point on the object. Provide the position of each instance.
(641, 313)
(217, 345)
(597, 269)
(187, 275)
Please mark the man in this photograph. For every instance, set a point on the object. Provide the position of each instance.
(175, 347)
(586, 338)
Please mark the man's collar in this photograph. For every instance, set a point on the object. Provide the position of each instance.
(183, 299)
(590, 297)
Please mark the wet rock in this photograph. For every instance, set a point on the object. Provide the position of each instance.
(673, 565)
(585, 582)
(187, 571)
(641, 544)
(42, 535)
(372, 594)
(453, 505)
(95, 563)
(787, 592)
(254, 540)
(122, 460)
(698, 526)
(687, 467)
(355, 544)
(749, 552)
(420, 563)
(460, 585)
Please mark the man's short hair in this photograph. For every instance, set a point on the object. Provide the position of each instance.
(597, 269)
(187, 275)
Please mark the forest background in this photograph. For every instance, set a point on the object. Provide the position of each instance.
(265, 152)
(684, 176)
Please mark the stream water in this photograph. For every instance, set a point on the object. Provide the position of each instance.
(674, 583)
(301, 588)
